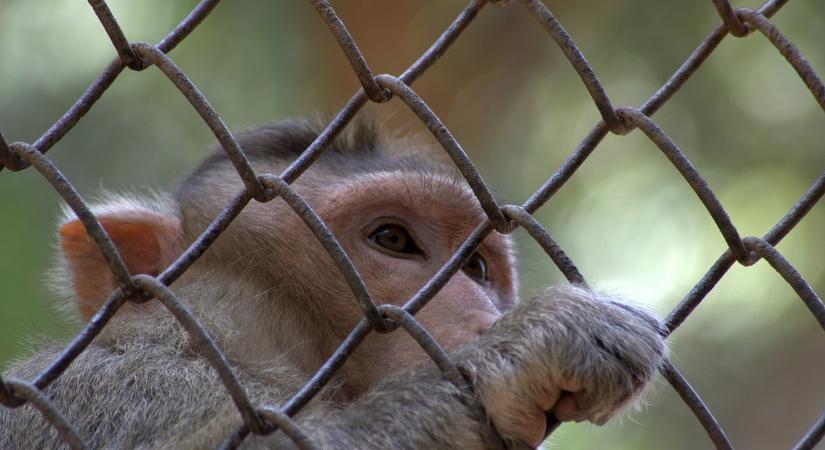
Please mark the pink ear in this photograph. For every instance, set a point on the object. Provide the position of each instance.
(147, 241)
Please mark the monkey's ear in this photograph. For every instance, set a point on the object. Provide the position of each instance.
(146, 239)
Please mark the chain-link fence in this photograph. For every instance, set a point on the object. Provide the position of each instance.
(260, 419)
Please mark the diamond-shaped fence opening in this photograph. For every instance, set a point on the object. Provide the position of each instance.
(746, 251)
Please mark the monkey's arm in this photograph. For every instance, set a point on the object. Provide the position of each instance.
(419, 409)
(154, 392)
(579, 354)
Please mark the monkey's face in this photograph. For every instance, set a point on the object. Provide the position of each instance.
(399, 229)
(269, 275)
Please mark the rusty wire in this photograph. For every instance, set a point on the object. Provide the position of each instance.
(265, 187)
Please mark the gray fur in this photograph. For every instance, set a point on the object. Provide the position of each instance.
(145, 387)
(142, 383)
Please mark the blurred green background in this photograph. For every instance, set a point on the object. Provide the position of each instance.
(627, 218)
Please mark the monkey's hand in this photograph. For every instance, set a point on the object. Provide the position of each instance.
(569, 351)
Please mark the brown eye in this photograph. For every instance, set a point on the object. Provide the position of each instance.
(395, 239)
(476, 268)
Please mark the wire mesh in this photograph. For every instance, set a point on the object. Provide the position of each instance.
(263, 419)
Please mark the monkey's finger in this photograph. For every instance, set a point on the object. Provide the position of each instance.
(645, 316)
(551, 392)
(566, 409)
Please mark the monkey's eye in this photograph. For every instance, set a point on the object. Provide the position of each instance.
(395, 238)
(476, 268)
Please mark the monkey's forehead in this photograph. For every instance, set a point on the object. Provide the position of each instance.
(440, 190)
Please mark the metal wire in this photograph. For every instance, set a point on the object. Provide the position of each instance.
(265, 187)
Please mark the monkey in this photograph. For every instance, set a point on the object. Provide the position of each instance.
(277, 306)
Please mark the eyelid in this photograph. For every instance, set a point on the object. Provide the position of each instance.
(406, 241)
(373, 226)
(486, 281)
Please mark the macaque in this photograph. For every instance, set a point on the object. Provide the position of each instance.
(277, 306)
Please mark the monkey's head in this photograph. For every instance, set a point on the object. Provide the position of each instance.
(398, 215)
